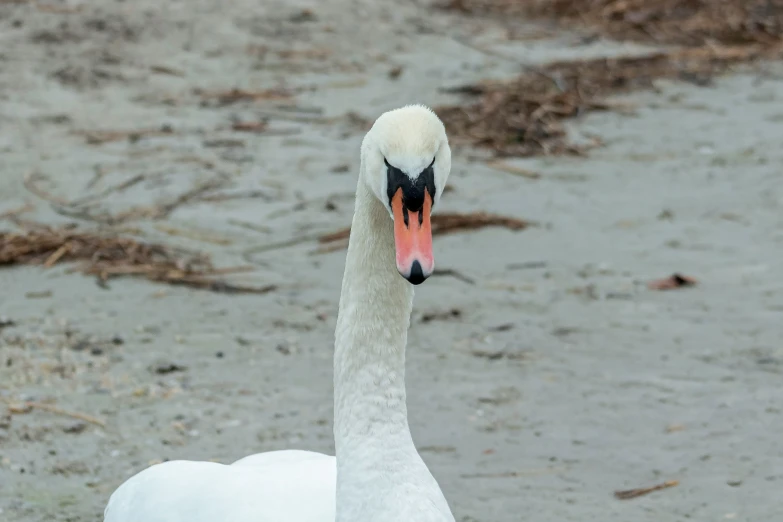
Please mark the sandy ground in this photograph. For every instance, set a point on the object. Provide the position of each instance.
(559, 379)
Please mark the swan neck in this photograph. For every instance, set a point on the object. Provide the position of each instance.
(371, 334)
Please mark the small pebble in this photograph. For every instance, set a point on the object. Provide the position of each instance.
(75, 428)
(80, 345)
(5, 322)
(166, 367)
(305, 15)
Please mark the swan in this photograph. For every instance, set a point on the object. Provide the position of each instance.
(376, 474)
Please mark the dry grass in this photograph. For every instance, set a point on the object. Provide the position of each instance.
(109, 256)
(639, 492)
(679, 22)
(525, 116)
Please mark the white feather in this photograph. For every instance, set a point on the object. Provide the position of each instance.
(264, 487)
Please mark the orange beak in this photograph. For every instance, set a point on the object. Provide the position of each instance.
(413, 239)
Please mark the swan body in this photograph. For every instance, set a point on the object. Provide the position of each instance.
(377, 475)
(268, 486)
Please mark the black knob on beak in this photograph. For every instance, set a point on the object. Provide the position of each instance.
(416, 277)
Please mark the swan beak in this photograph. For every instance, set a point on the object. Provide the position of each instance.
(413, 239)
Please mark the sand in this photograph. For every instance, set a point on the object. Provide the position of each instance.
(560, 379)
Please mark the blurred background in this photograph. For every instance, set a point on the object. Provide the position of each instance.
(603, 337)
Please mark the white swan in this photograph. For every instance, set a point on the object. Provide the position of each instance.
(377, 474)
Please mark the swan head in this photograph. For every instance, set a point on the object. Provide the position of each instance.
(407, 160)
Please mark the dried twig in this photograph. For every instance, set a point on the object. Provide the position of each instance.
(26, 407)
(671, 282)
(99, 137)
(633, 493)
(31, 184)
(164, 209)
(220, 287)
(120, 187)
(165, 69)
(443, 224)
(334, 246)
(239, 95)
(243, 194)
(450, 272)
(249, 126)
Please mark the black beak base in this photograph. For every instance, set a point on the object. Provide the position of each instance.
(412, 189)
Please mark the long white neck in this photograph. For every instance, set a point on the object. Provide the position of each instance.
(371, 333)
(380, 476)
